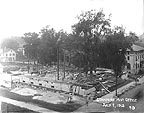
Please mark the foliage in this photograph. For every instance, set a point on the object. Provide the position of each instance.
(20, 56)
(93, 43)
(51, 45)
(96, 44)
(32, 42)
(114, 49)
(47, 49)
(133, 37)
(88, 34)
(45, 46)
(10, 43)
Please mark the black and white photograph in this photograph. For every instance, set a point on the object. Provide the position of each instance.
(71, 56)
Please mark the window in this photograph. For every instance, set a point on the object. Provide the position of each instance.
(137, 66)
(13, 54)
(128, 57)
(140, 65)
(31, 82)
(46, 81)
(136, 58)
(40, 84)
(6, 54)
(128, 66)
(10, 54)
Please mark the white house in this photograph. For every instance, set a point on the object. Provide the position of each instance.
(7, 55)
(135, 59)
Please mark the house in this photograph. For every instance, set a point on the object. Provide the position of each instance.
(7, 55)
(135, 59)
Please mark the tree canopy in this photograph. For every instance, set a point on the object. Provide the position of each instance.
(88, 34)
(97, 44)
(114, 49)
(32, 42)
(43, 46)
(93, 43)
(10, 43)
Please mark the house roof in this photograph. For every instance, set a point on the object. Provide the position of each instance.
(7, 50)
(137, 48)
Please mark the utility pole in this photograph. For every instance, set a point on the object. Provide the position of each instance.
(28, 63)
(116, 82)
(58, 47)
(64, 65)
(58, 62)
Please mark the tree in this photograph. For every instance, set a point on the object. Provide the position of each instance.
(31, 46)
(133, 37)
(95, 44)
(69, 46)
(113, 51)
(10, 43)
(88, 34)
(48, 46)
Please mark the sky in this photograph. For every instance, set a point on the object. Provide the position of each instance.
(21, 16)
